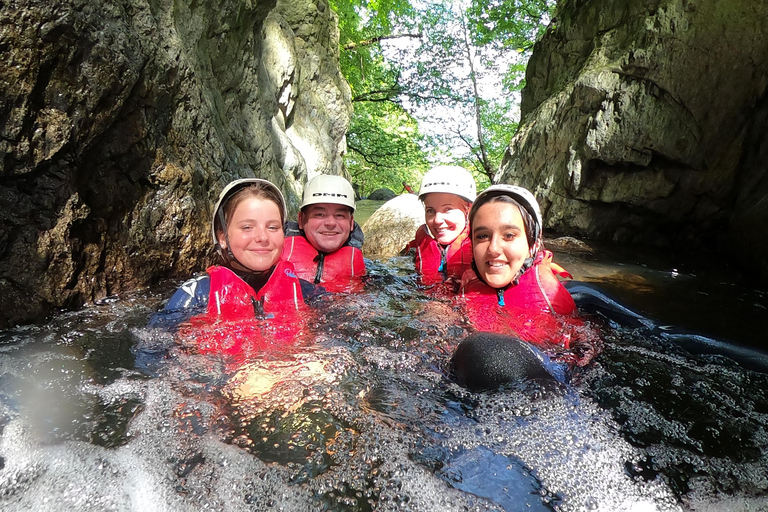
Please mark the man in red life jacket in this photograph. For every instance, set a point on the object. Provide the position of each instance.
(325, 245)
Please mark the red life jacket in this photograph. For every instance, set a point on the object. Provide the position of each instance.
(336, 271)
(536, 309)
(429, 257)
(241, 320)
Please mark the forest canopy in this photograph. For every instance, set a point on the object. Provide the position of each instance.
(433, 82)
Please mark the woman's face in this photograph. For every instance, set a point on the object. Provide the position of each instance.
(445, 216)
(499, 243)
(255, 234)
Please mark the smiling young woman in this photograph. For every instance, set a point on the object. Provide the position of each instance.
(511, 287)
(254, 234)
(499, 242)
(441, 246)
(252, 299)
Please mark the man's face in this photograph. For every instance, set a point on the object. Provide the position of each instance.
(326, 225)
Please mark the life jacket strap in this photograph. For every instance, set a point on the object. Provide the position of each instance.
(320, 259)
(443, 258)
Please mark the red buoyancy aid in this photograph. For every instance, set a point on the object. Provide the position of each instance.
(341, 269)
(428, 258)
(536, 309)
(239, 319)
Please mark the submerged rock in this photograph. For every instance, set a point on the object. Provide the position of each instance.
(121, 122)
(569, 244)
(486, 360)
(644, 122)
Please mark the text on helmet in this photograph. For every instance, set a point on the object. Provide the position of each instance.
(450, 184)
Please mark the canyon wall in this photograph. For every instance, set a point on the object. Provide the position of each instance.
(645, 122)
(121, 121)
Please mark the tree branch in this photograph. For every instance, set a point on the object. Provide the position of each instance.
(363, 155)
(377, 39)
(380, 95)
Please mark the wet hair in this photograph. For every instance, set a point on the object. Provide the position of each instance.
(528, 222)
(257, 190)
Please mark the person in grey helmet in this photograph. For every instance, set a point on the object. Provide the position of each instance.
(252, 287)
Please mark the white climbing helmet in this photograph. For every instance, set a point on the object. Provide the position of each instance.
(233, 187)
(328, 188)
(522, 195)
(450, 179)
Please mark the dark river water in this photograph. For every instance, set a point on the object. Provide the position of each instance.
(99, 412)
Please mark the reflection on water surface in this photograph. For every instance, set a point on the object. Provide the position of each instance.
(703, 297)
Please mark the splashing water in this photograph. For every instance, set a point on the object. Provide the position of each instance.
(99, 412)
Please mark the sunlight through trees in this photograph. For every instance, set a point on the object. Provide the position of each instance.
(433, 82)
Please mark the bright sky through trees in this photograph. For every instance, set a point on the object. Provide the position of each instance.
(445, 120)
(433, 81)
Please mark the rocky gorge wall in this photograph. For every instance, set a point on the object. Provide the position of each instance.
(646, 122)
(121, 120)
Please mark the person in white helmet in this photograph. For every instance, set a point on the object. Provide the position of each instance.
(253, 298)
(512, 286)
(325, 245)
(442, 247)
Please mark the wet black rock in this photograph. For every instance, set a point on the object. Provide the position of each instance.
(381, 194)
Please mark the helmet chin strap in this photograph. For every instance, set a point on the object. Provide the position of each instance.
(528, 263)
(225, 252)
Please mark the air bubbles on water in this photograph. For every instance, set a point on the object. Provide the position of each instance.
(368, 419)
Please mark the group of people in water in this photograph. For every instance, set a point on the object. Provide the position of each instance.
(486, 248)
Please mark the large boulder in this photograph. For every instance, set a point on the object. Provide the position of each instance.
(392, 226)
(122, 121)
(646, 122)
